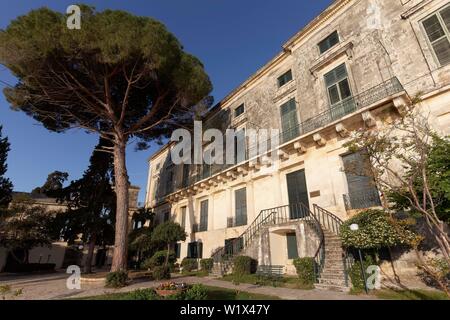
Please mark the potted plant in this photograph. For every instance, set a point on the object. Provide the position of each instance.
(170, 289)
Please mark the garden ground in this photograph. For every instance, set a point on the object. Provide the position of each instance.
(53, 287)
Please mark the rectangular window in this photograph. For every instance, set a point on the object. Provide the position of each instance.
(291, 239)
(203, 216)
(289, 121)
(166, 216)
(362, 191)
(284, 78)
(169, 181)
(178, 250)
(437, 28)
(183, 217)
(339, 92)
(195, 250)
(239, 110)
(240, 197)
(329, 42)
(185, 181)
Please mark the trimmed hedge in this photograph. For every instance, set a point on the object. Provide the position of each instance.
(158, 259)
(116, 279)
(161, 273)
(305, 270)
(207, 264)
(244, 265)
(189, 264)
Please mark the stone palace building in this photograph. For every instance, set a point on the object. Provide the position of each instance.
(353, 66)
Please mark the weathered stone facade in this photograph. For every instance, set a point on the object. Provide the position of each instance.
(388, 59)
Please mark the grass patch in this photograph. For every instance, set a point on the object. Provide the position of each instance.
(214, 293)
(391, 294)
(283, 282)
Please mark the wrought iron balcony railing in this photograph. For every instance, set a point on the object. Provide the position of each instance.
(362, 199)
(335, 112)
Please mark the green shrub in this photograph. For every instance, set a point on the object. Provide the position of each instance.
(207, 264)
(158, 260)
(244, 265)
(356, 275)
(196, 292)
(189, 264)
(376, 230)
(161, 273)
(305, 270)
(116, 279)
(144, 294)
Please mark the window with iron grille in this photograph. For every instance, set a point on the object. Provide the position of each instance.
(239, 110)
(203, 216)
(437, 29)
(329, 42)
(284, 78)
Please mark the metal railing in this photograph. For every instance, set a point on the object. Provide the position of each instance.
(362, 199)
(335, 112)
(318, 220)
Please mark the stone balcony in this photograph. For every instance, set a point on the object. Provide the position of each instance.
(337, 118)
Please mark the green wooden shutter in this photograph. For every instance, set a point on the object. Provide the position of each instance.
(289, 120)
(437, 35)
(204, 215)
(241, 206)
(199, 250)
(297, 192)
(291, 239)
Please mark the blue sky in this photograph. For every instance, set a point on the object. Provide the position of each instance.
(232, 38)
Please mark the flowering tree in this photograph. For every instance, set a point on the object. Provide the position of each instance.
(400, 155)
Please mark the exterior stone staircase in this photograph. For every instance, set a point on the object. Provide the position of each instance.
(333, 275)
(330, 258)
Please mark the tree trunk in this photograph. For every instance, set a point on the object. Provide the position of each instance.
(119, 261)
(90, 255)
(167, 255)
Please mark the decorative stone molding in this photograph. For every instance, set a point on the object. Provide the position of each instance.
(368, 119)
(299, 147)
(318, 138)
(342, 130)
(242, 171)
(282, 155)
(323, 61)
(400, 104)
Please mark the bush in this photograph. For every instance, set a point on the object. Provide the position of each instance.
(244, 265)
(116, 279)
(196, 292)
(376, 230)
(207, 264)
(305, 270)
(189, 264)
(356, 275)
(158, 259)
(144, 294)
(161, 273)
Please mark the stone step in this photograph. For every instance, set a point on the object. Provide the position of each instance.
(331, 275)
(333, 282)
(333, 269)
(321, 286)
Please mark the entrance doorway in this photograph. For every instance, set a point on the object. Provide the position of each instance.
(297, 193)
